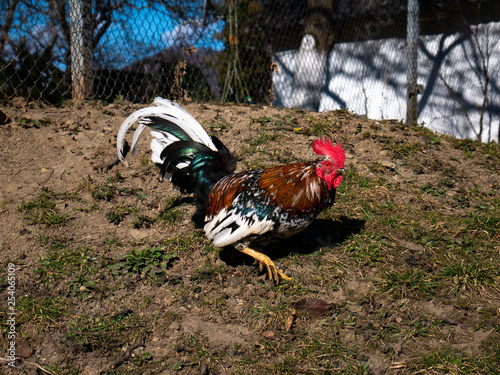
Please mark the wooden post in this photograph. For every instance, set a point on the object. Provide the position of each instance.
(412, 35)
(81, 50)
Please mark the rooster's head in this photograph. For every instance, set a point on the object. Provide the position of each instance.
(330, 168)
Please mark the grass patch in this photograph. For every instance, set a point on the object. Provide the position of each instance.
(264, 138)
(435, 191)
(150, 262)
(366, 248)
(470, 276)
(445, 361)
(103, 192)
(117, 177)
(42, 210)
(414, 283)
(62, 262)
(401, 147)
(89, 333)
(218, 126)
(118, 214)
(41, 310)
(324, 125)
(142, 221)
(170, 216)
(484, 224)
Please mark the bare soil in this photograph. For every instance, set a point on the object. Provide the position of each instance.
(407, 207)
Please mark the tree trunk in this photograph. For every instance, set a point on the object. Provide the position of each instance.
(81, 51)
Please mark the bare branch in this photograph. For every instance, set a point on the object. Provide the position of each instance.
(5, 28)
(57, 8)
(456, 97)
(484, 79)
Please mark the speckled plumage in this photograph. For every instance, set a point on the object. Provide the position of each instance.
(243, 207)
(279, 201)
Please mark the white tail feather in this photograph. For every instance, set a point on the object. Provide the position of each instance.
(169, 111)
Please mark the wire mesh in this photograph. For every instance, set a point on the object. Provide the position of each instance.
(314, 54)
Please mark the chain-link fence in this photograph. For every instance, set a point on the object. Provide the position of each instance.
(432, 61)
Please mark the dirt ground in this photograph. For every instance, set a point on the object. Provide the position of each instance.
(113, 275)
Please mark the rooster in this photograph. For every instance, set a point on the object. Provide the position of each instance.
(240, 208)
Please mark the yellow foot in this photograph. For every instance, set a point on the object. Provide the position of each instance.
(264, 261)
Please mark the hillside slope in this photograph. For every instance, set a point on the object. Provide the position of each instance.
(111, 270)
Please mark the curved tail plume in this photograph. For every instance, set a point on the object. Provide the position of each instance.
(189, 157)
(169, 122)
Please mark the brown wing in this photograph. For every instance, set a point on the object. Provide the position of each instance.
(295, 188)
(225, 191)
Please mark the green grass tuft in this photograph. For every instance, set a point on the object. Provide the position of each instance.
(42, 210)
(149, 261)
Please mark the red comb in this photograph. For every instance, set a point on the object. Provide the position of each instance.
(326, 148)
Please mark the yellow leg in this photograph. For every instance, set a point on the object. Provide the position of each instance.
(264, 261)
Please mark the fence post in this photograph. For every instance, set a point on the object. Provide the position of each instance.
(81, 51)
(412, 35)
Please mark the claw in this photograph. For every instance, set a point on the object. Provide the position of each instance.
(273, 273)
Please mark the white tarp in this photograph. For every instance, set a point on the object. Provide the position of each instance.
(370, 78)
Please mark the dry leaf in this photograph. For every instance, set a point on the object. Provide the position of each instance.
(290, 320)
(314, 306)
(4, 119)
(25, 350)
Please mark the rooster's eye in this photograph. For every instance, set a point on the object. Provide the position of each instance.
(327, 164)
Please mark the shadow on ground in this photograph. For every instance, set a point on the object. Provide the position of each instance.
(321, 233)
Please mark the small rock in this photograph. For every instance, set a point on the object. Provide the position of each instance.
(203, 368)
(175, 326)
(19, 101)
(388, 164)
(35, 116)
(45, 170)
(244, 330)
(11, 188)
(87, 197)
(168, 301)
(186, 280)
(89, 370)
(268, 334)
(25, 350)
(61, 206)
(138, 234)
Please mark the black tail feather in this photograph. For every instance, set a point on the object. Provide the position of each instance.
(205, 166)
